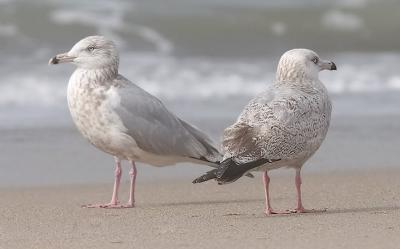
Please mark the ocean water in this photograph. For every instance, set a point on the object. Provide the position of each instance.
(205, 60)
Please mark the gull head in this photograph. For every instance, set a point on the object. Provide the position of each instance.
(298, 65)
(92, 52)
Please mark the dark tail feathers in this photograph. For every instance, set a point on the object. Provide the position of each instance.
(212, 174)
(229, 171)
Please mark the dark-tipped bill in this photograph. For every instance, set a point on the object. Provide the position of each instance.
(327, 65)
(61, 58)
(333, 67)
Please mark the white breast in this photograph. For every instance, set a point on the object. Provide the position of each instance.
(91, 108)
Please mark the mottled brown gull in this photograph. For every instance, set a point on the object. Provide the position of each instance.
(282, 127)
(125, 121)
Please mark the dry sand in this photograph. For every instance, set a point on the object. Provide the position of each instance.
(363, 212)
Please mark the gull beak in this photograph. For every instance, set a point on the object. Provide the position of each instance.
(328, 65)
(333, 67)
(61, 58)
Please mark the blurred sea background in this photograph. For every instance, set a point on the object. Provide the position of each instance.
(205, 59)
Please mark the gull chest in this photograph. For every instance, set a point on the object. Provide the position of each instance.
(92, 112)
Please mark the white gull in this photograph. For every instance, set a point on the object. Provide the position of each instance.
(125, 121)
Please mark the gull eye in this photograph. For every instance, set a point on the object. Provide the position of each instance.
(90, 48)
(315, 60)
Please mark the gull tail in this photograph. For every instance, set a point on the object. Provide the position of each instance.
(212, 173)
(212, 156)
(229, 171)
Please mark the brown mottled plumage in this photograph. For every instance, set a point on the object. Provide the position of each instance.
(281, 127)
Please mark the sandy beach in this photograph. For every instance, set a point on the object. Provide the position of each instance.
(205, 60)
(363, 211)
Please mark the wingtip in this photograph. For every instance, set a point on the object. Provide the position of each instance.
(200, 179)
(197, 180)
(207, 176)
(250, 175)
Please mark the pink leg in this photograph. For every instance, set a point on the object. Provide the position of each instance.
(268, 208)
(114, 199)
(117, 181)
(300, 208)
(132, 174)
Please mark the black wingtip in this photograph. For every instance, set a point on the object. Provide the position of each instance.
(250, 175)
(229, 171)
(198, 180)
(212, 174)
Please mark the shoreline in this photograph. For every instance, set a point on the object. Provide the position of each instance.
(282, 174)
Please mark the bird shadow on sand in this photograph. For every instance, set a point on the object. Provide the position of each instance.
(190, 203)
(373, 210)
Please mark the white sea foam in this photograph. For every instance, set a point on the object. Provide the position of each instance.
(203, 79)
(31, 90)
(394, 82)
(162, 44)
(106, 20)
(200, 79)
(343, 21)
(109, 20)
(353, 3)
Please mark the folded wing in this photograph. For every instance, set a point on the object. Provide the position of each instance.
(156, 130)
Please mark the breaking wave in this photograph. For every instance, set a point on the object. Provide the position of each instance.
(202, 79)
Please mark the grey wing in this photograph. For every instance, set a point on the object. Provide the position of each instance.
(158, 131)
(203, 139)
(274, 126)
